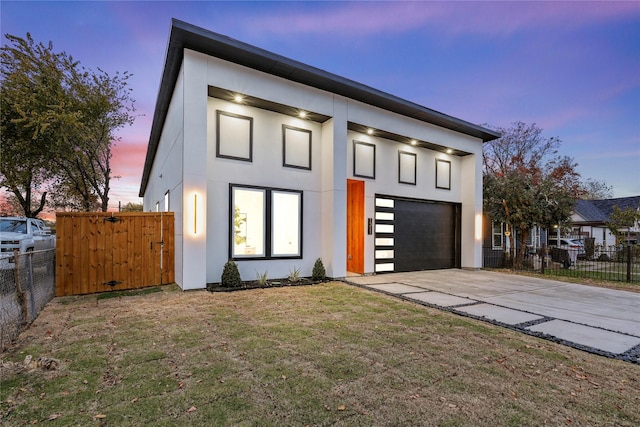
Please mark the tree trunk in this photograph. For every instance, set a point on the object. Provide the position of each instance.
(522, 250)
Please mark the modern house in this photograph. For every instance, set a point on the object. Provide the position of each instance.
(589, 219)
(275, 163)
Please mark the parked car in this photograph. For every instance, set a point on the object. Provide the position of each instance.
(23, 235)
(574, 246)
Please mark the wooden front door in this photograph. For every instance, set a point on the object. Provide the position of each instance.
(355, 226)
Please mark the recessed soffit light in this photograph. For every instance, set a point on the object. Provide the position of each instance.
(370, 131)
(238, 98)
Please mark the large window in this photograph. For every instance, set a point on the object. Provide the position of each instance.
(265, 223)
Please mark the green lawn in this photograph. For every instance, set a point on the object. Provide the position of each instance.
(327, 354)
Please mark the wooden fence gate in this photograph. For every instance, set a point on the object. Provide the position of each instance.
(104, 251)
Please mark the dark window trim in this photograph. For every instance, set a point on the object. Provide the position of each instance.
(355, 144)
(238, 116)
(268, 228)
(284, 147)
(415, 167)
(442, 187)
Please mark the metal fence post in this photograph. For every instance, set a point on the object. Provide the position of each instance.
(20, 294)
(628, 263)
(31, 293)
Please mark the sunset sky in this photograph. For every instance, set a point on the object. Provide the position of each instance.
(573, 68)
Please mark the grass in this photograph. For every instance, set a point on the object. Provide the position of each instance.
(582, 277)
(327, 354)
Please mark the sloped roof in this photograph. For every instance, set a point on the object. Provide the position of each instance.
(598, 211)
(187, 36)
(589, 211)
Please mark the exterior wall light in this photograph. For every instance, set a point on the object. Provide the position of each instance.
(478, 230)
(195, 214)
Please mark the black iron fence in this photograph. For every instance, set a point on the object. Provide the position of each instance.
(27, 283)
(617, 263)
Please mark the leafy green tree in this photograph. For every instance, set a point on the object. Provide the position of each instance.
(33, 109)
(132, 207)
(526, 183)
(622, 220)
(57, 128)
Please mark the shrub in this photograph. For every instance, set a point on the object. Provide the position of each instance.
(294, 275)
(231, 275)
(261, 278)
(319, 272)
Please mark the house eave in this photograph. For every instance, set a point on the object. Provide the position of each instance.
(187, 36)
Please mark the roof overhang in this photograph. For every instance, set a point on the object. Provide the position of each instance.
(187, 36)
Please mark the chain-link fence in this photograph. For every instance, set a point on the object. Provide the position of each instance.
(27, 283)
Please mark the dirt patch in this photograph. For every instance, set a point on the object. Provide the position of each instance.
(328, 354)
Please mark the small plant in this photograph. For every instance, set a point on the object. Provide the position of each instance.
(294, 275)
(261, 279)
(231, 275)
(319, 272)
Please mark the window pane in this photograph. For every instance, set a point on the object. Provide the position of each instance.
(497, 235)
(384, 203)
(286, 215)
(248, 222)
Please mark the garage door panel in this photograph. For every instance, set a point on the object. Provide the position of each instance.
(425, 235)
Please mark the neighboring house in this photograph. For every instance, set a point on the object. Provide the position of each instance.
(496, 242)
(590, 217)
(275, 163)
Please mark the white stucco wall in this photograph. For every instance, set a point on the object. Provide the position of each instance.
(187, 161)
(167, 171)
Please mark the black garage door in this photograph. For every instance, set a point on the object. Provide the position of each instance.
(413, 235)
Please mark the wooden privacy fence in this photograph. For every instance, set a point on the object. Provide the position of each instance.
(104, 251)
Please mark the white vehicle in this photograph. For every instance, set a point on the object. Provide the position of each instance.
(574, 246)
(23, 235)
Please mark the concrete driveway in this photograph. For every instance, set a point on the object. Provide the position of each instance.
(598, 320)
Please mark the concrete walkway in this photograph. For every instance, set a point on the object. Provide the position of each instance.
(598, 320)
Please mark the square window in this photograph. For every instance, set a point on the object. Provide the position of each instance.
(407, 167)
(234, 136)
(364, 160)
(296, 147)
(443, 174)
